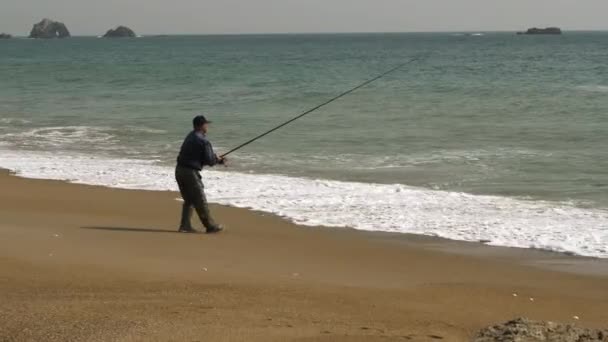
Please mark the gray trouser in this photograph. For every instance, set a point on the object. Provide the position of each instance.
(193, 192)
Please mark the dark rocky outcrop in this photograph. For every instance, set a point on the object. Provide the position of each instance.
(49, 29)
(548, 30)
(120, 32)
(5, 36)
(524, 330)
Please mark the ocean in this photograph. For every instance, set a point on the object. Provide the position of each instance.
(495, 138)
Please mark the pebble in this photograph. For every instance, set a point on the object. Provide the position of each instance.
(531, 299)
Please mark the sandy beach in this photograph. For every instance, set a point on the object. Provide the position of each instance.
(83, 263)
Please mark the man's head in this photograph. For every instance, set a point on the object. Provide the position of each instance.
(200, 123)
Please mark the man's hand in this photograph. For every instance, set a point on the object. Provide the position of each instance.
(222, 161)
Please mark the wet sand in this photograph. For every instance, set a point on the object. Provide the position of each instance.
(83, 263)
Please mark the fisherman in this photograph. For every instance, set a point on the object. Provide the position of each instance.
(196, 152)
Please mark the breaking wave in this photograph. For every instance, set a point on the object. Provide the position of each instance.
(396, 208)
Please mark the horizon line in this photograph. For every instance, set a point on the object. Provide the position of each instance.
(321, 33)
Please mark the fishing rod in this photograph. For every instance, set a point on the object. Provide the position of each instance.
(321, 105)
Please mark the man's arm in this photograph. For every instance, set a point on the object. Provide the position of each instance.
(209, 156)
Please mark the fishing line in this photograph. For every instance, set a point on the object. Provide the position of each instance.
(322, 105)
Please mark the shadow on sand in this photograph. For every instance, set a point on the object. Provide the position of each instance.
(137, 230)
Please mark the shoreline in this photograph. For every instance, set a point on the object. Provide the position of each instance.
(494, 220)
(88, 263)
(560, 261)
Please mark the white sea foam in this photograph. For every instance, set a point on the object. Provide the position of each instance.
(59, 136)
(391, 208)
(12, 121)
(594, 88)
(63, 137)
(148, 130)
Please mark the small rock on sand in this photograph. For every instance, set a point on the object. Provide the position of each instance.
(524, 330)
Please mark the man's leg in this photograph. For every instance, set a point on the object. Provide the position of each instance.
(185, 224)
(202, 208)
(181, 176)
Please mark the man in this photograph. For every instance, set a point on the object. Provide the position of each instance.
(196, 152)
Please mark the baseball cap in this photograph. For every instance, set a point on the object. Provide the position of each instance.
(199, 120)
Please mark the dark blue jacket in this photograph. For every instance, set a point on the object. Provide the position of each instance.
(196, 152)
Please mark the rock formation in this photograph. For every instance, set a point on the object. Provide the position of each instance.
(548, 30)
(524, 330)
(49, 29)
(120, 32)
(5, 36)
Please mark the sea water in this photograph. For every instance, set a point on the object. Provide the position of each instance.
(496, 137)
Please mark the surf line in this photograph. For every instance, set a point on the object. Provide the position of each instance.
(372, 80)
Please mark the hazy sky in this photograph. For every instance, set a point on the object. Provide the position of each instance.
(93, 17)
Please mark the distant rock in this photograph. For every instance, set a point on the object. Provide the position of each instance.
(5, 36)
(120, 32)
(49, 29)
(524, 330)
(548, 30)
